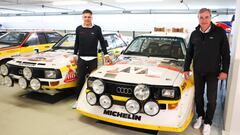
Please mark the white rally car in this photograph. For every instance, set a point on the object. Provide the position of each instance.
(52, 71)
(145, 88)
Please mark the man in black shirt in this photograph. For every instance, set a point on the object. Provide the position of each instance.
(209, 50)
(87, 37)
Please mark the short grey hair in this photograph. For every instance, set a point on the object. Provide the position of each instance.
(202, 10)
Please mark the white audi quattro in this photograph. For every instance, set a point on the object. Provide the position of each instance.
(52, 71)
(145, 88)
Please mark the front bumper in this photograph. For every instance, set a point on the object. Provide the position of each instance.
(175, 120)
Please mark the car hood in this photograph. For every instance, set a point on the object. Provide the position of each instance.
(147, 70)
(53, 58)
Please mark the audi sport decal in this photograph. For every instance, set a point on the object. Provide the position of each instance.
(71, 76)
(122, 115)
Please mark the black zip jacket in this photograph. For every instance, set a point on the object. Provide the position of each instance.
(209, 51)
(86, 41)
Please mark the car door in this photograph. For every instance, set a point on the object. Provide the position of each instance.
(31, 44)
(43, 43)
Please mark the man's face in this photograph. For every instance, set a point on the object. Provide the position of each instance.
(87, 18)
(204, 20)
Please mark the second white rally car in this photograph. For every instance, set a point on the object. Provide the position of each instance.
(145, 88)
(52, 71)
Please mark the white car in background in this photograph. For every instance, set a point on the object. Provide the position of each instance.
(51, 71)
(145, 88)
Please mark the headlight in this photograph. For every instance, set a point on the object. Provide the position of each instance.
(141, 92)
(50, 74)
(27, 73)
(35, 84)
(105, 101)
(132, 106)
(22, 82)
(4, 69)
(98, 86)
(169, 93)
(8, 81)
(2, 80)
(91, 98)
(151, 108)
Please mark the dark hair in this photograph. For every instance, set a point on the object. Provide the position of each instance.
(87, 11)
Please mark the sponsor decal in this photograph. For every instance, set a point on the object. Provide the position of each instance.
(71, 75)
(122, 115)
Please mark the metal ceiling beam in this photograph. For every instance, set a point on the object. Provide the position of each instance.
(150, 11)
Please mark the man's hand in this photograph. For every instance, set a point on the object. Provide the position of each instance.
(222, 76)
(107, 59)
(186, 75)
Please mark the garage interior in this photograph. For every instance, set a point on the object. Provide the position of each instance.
(23, 114)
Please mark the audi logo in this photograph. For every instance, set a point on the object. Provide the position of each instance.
(123, 90)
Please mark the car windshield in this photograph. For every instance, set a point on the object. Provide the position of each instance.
(154, 46)
(12, 39)
(67, 42)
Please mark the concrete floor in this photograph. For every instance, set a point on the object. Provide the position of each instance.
(20, 115)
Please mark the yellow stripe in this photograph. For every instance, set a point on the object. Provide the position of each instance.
(143, 126)
(119, 98)
(168, 101)
(64, 86)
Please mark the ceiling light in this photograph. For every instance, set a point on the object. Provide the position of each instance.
(63, 3)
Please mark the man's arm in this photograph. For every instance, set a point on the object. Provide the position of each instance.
(102, 43)
(76, 45)
(225, 54)
(189, 55)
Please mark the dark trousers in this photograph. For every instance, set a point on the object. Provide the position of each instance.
(84, 68)
(200, 79)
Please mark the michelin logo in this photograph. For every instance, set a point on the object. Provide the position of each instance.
(122, 115)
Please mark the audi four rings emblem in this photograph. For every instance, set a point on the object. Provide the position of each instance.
(123, 90)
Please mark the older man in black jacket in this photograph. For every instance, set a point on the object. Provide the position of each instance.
(209, 50)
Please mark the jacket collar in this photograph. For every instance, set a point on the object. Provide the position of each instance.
(212, 27)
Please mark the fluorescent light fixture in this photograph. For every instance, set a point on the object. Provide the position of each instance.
(135, 1)
(71, 2)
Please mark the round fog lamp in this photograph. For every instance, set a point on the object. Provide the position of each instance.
(2, 80)
(105, 101)
(35, 84)
(27, 73)
(98, 86)
(132, 106)
(151, 108)
(8, 81)
(4, 69)
(91, 98)
(141, 92)
(22, 82)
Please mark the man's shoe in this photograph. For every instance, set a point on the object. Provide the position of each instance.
(206, 129)
(74, 106)
(198, 123)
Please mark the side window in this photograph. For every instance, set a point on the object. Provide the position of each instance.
(32, 40)
(119, 41)
(53, 37)
(111, 41)
(42, 38)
